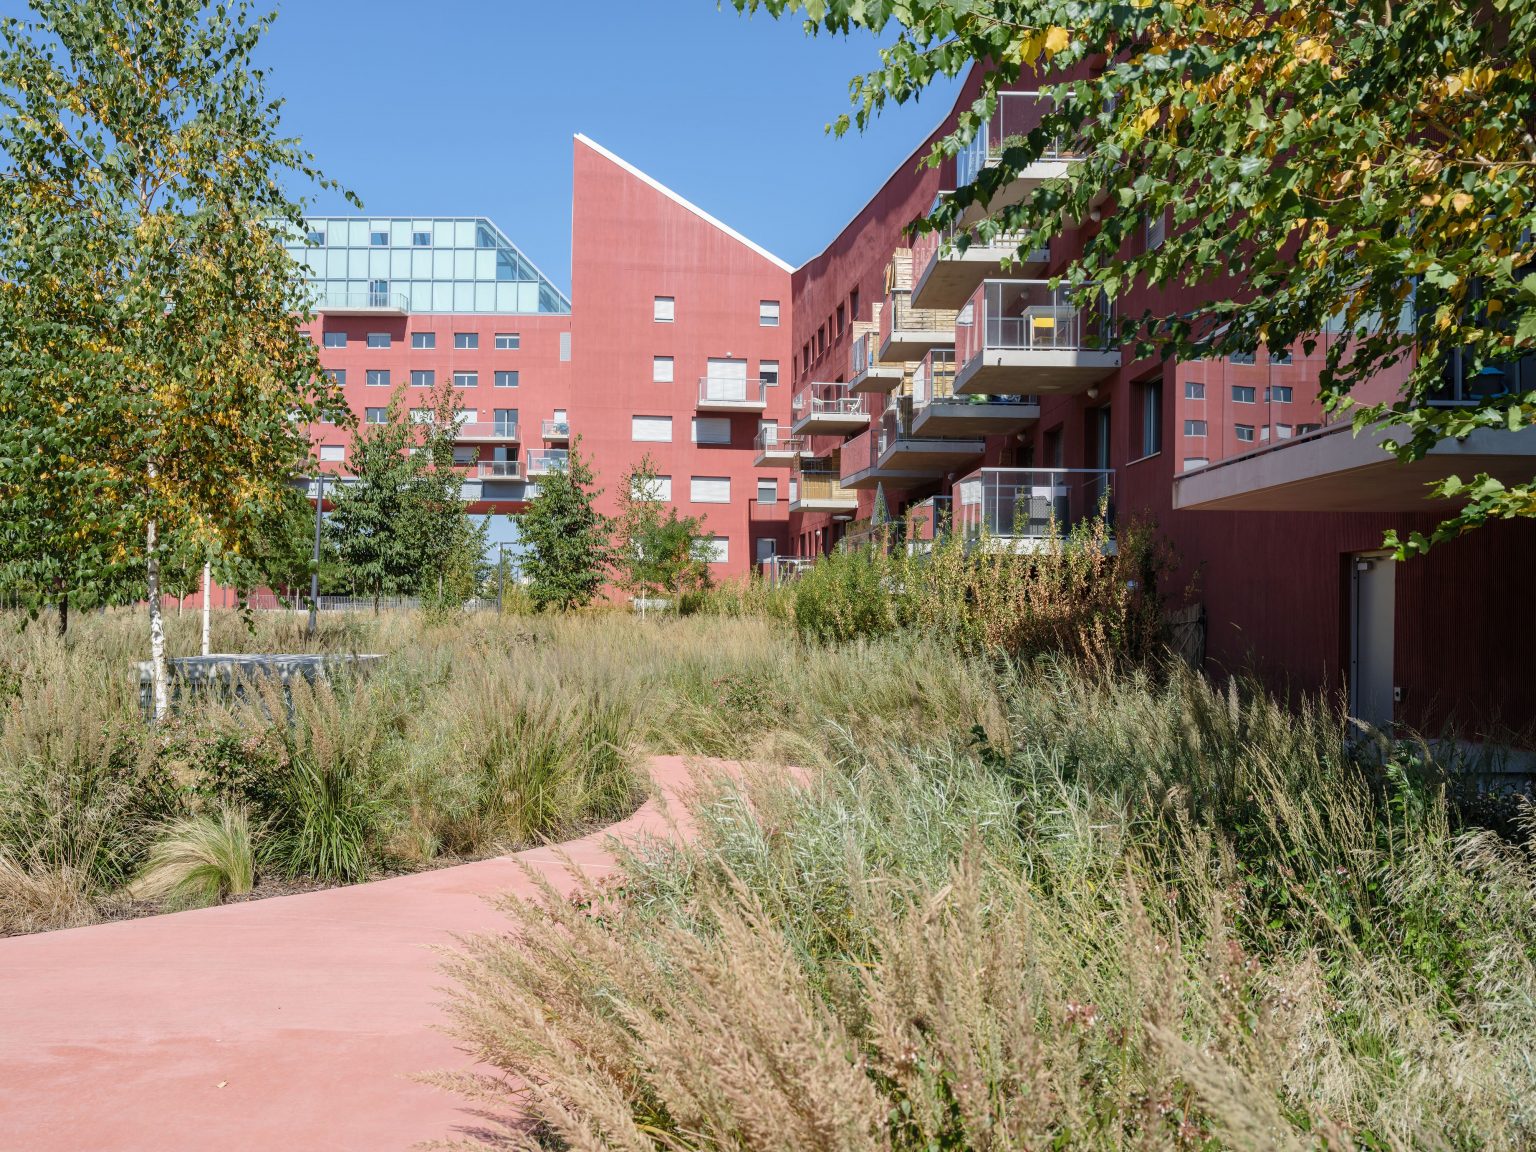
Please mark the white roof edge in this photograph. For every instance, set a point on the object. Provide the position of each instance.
(684, 202)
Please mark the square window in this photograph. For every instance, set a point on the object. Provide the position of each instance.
(333, 453)
(1280, 394)
(768, 372)
(316, 238)
(423, 378)
(1283, 431)
(659, 488)
(508, 341)
(767, 491)
(719, 550)
(650, 429)
(1242, 395)
(506, 380)
(378, 239)
(1156, 231)
(1280, 357)
(466, 379)
(710, 489)
(661, 369)
(712, 430)
(378, 340)
(378, 415)
(378, 378)
(768, 313)
(423, 340)
(1242, 358)
(466, 340)
(421, 239)
(1194, 390)
(334, 340)
(663, 309)
(1245, 433)
(337, 376)
(1194, 427)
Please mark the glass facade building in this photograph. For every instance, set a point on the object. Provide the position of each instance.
(410, 264)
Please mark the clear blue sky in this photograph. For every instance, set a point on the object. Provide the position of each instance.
(467, 107)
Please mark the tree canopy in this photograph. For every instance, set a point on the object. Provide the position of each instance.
(1363, 169)
(568, 541)
(658, 552)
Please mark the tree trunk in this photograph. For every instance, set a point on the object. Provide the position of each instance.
(207, 606)
(156, 625)
(63, 613)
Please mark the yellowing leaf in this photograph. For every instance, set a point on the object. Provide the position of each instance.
(1056, 40)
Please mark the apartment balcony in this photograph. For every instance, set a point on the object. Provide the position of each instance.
(866, 371)
(937, 411)
(777, 447)
(499, 469)
(1016, 116)
(908, 332)
(544, 461)
(497, 432)
(892, 452)
(363, 304)
(1021, 509)
(732, 394)
(783, 569)
(827, 410)
(951, 263)
(1023, 337)
(555, 431)
(817, 487)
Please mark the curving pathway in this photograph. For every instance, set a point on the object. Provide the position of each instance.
(293, 1023)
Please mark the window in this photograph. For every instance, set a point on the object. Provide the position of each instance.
(650, 429)
(659, 488)
(508, 341)
(768, 372)
(1280, 357)
(423, 340)
(425, 416)
(1156, 231)
(1151, 417)
(1194, 427)
(334, 340)
(1194, 390)
(719, 548)
(466, 455)
(466, 379)
(842, 319)
(378, 239)
(1282, 432)
(421, 239)
(712, 430)
(378, 378)
(506, 379)
(768, 313)
(1242, 395)
(379, 340)
(1303, 429)
(332, 453)
(565, 346)
(337, 376)
(767, 491)
(853, 305)
(710, 489)
(1193, 462)
(663, 309)
(1279, 394)
(1245, 433)
(466, 340)
(1242, 358)
(661, 369)
(377, 415)
(506, 421)
(317, 239)
(423, 378)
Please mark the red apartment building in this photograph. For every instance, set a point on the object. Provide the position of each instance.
(783, 405)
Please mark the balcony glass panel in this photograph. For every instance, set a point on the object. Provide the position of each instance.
(1028, 503)
(1031, 316)
(1016, 116)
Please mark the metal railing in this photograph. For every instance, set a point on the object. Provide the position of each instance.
(543, 461)
(945, 243)
(1016, 116)
(556, 429)
(488, 430)
(779, 440)
(363, 302)
(782, 569)
(1031, 503)
(899, 315)
(864, 353)
(934, 380)
(499, 469)
(826, 400)
(749, 393)
(1030, 315)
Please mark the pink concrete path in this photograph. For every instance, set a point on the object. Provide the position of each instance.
(288, 1024)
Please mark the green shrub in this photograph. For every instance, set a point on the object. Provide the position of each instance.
(847, 596)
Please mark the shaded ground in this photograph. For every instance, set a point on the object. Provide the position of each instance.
(295, 1022)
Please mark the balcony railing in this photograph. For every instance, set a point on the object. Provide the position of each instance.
(900, 315)
(824, 486)
(865, 351)
(362, 302)
(1030, 315)
(934, 378)
(1017, 115)
(556, 429)
(777, 440)
(945, 243)
(493, 430)
(826, 400)
(726, 391)
(543, 461)
(1031, 503)
(782, 569)
(500, 469)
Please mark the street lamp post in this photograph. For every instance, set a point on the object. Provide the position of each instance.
(314, 572)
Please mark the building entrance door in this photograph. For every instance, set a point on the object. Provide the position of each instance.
(1373, 580)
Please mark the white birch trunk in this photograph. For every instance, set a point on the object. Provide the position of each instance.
(156, 625)
(207, 610)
